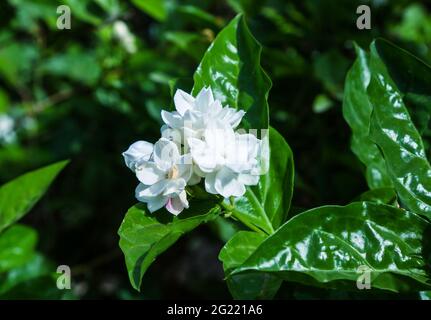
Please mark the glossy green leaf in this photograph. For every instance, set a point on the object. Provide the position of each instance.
(380, 195)
(231, 67)
(251, 285)
(357, 111)
(143, 236)
(327, 245)
(18, 196)
(266, 205)
(400, 92)
(17, 245)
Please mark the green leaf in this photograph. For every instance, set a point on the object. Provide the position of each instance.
(380, 195)
(231, 67)
(400, 93)
(266, 205)
(143, 236)
(357, 111)
(325, 247)
(74, 64)
(251, 285)
(154, 8)
(17, 245)
(37, 266)
(18, 196)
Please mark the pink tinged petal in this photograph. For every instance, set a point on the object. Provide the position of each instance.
(144, 193)
(172, 119)
(210, 183)
(227, 184)
(148, 173)
(166, 154)
(177, 204)
(138, 151)
(204, 99)
(183, 101)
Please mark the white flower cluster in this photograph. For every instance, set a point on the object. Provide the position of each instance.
(198, 141)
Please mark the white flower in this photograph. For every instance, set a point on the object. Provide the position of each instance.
(137, 152)
(229, 161)
(194, 115)
(163, 174)
(7, 133)
(123, 34)
(203, 131)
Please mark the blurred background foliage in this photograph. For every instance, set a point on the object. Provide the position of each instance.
(89, 92)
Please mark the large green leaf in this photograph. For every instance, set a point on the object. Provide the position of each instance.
(17, 245)
(231, 67)
(251, 285)
(327, 245)
(143, 236)
(18, 196)
(357, 111)
(266, 205)
(380, 195)
(396, 105)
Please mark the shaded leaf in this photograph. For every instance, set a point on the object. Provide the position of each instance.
(143, 236)
(266, 205)
(17, 245)
(18, 196)
(231, 67)
(357, 111)
(251, 285)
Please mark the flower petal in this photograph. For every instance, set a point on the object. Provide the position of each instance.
(204, 99)
(227, 184)
(203, 156)
(138, 151)
(148, 173)
(194, 179)
(174, 187)
(173, 135)
(172, 119)
(177, 204)
(183, 101)
(210, 183)
(185, 166)
(144, 193)
(166, 154)
(156, 203)
(248, 179)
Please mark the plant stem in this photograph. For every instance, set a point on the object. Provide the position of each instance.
(233, 213)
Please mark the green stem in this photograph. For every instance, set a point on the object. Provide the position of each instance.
(232, 211)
